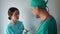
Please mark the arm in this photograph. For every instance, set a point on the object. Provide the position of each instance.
(9, 31)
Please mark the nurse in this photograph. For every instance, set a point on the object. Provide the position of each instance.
(15, 26)
(48, 22)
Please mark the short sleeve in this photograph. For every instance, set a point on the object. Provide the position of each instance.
(8, 31)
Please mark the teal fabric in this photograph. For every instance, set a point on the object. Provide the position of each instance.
(40, 3)
(15, 28)
(48, 26)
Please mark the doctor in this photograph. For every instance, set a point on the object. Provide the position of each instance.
(48, 22)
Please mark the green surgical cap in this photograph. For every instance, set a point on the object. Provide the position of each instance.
(40, 3)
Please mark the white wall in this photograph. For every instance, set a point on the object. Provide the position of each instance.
(29, 20)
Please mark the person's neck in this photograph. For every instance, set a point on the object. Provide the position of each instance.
(44, 16)
(13, 22)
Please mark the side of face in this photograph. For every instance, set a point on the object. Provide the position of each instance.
(15, 16)
(36, 12)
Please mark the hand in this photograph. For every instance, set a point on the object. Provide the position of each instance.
(25, 31)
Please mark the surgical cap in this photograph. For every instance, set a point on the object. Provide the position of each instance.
(40, 3)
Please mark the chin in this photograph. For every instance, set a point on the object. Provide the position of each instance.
(16, 19)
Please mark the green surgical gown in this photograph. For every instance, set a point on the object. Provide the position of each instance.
(48, 26)
(14, 28)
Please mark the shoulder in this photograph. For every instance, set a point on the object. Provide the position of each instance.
(50, 20)
(9, 26)
(19, 22)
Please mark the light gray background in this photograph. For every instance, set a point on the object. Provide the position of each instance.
(26, 16)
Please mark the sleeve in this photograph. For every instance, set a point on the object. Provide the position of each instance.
(8, 31)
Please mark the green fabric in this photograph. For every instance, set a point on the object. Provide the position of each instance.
(40, 3)
(48, 27)
(14, 28)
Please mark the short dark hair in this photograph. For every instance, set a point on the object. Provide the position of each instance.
(11, 11)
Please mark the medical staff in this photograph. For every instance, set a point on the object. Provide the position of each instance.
(15, 26)
(48, 22)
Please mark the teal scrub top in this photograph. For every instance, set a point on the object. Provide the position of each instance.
(15, 28)
(48, 26)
